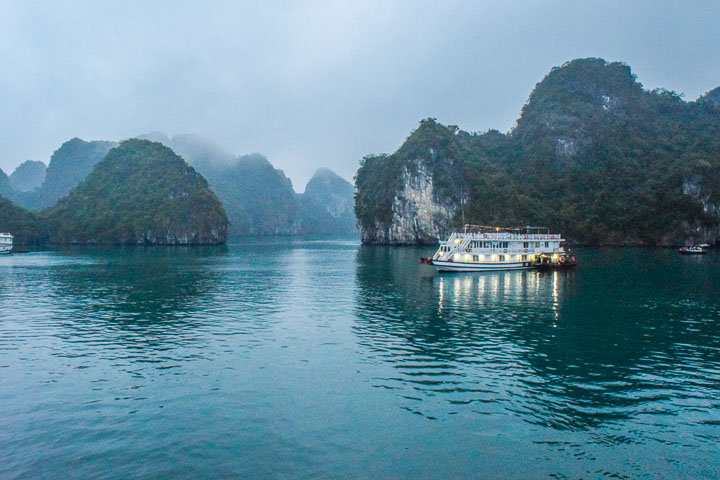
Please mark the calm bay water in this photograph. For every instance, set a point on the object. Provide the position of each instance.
(322, 358)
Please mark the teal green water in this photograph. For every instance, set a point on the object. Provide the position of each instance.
(292, 358)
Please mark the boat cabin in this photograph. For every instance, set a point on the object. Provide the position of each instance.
(486, 245)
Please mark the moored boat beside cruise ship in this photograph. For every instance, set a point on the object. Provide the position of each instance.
(485, 248)
(6, 242)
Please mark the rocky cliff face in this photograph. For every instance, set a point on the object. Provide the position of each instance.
(418, 216)
(696, 232)
(414, 196)
(593, 155)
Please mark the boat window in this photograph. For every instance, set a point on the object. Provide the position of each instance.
(525, 244)
(547, 244)
(523, 257)
(475, 258)
(502, 258)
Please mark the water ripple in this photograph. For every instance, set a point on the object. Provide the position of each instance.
(306, 357)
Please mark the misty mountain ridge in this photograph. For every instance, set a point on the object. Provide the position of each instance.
(68, 166)
(260, 199)
(28, 176)
(328, 204)
(140, 193)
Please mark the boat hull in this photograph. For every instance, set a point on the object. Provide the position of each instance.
(441, 266)
(5, 249)
(555, 266)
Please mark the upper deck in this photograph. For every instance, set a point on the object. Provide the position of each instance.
(483, 232)
(478, 244)
(6, 242)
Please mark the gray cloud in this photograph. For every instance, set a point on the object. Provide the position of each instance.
(317, 83)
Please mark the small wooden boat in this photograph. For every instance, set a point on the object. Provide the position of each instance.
(692, 250)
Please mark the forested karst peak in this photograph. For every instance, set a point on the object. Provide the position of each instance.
(593, 155)
(140, 193)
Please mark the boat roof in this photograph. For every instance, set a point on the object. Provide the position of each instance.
(492, 228)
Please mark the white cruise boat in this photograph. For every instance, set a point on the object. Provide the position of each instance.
(6, 242)
(482, 248)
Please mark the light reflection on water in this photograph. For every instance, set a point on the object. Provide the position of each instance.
(318, 357)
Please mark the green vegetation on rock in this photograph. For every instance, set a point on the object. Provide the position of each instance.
(5, 187)
(26, 226)
(140, 193)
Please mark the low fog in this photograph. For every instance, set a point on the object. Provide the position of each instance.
(317, 84)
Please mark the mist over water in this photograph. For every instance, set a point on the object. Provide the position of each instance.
(299, 357)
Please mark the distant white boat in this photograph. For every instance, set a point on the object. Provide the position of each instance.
(6, 242)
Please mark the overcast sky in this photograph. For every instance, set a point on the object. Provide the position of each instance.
(319, 83)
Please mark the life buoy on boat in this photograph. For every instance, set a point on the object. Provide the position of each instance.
(526, 237)
(505, 250)
(526, 250)
(484, 235)
(467, 250)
